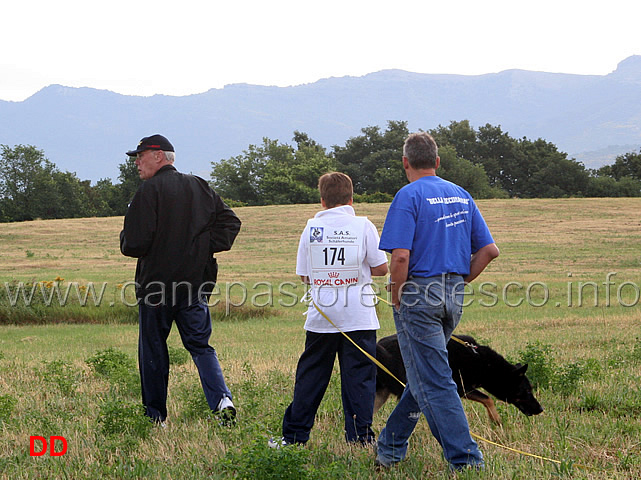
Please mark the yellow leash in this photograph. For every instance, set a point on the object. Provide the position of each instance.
(373, 359)
(384, 368)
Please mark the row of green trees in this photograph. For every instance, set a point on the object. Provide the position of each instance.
(33, 187)
(486, 161)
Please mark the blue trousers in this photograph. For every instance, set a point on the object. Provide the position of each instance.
(431, 308)
(194, 325)
(358, 385)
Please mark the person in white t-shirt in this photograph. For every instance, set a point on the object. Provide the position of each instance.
(337, 255)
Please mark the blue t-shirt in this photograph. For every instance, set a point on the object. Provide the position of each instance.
(439, 223)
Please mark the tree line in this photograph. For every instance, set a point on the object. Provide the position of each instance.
(485, 161)
(32, 187)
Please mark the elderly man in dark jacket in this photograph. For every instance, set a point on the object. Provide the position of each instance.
(174, 225)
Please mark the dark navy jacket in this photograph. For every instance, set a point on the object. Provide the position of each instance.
(174, 225)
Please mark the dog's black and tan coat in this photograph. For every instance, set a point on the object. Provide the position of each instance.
(473, 366)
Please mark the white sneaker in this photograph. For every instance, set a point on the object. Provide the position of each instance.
(225, 403)
(277, 443)
(226, 412)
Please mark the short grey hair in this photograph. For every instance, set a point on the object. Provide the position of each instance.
(170, 156)
(421, 150)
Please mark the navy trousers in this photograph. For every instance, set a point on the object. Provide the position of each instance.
(358, 385)
(194, 325)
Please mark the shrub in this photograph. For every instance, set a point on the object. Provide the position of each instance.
(567, 378)
(61, 374)
(117, 367)
(540, 370)
(118, 416)
(110, 362)
(260, 461)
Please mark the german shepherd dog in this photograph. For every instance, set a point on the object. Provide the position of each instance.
(473, 366)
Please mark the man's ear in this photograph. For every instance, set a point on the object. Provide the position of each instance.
(438, 162)
(406, 163)
(159, 157)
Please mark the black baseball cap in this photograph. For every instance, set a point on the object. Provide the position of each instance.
(155, 142)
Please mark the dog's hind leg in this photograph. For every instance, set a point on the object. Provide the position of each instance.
(381, 397)
(487, 402)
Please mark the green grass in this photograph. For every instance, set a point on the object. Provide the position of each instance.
(587, 358)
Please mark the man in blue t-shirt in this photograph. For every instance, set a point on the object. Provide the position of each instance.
(439, 241)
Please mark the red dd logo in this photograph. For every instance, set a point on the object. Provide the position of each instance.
(43, 444)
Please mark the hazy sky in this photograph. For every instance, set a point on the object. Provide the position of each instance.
(183, 47)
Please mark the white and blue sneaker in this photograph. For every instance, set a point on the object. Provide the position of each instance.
(277, 443)
(226, 412)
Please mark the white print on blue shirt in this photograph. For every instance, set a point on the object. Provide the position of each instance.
(448, 200)
(453, 217)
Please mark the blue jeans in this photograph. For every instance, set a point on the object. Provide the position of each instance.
(194, 325)
(431, 308)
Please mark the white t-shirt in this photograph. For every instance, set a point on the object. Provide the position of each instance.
(336, 251)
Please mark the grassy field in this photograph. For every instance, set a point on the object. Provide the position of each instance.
(563, 295)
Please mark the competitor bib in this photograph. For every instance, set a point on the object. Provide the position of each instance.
(336, 253)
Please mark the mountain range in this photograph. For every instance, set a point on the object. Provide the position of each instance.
(593, 118)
